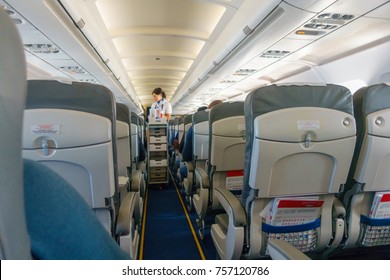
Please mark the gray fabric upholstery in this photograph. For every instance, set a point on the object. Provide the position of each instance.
(14, 242)
(225, 110)
(134, 118)
(188, 119)
(124, 163)
(200, 116)
(122, 113)
(84, 97)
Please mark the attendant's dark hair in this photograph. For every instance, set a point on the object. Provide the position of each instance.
(158, 91)
(164, 95)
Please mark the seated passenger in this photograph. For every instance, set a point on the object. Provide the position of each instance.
(60, 224)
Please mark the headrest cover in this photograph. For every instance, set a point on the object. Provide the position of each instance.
(371, 99)
(134, 118)
(188, 119)
(225, 110)
(200, 116)
(84, 97)
(122, 113)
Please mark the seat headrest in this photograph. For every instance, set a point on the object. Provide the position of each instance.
(371, 99)
(275, 97)
(122, 113)
(15, 242)
(200, 116)
(84, 97)
(134, 118)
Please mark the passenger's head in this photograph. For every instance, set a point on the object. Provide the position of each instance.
(202, 108)
(213, 103)
(157, 94)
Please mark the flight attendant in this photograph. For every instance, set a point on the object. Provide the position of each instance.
(161, 107)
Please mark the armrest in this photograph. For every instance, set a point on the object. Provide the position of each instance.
(282, 250)
(190, 166)
(229, 242)
(123, 182)
(125, 213)
(338, 226)
(232, 206)
(202, 178)
(338, 209)
(136, 179)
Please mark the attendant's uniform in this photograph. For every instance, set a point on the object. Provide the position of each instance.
(161, 108)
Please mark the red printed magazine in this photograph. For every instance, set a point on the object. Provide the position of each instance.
(380, 208)
(294, 211)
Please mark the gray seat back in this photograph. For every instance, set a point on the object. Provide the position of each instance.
(123, 135)
(200, 143)
(71, 129)
(181, 128)
(134, 139)
(226, 147)
(300, 142)
(368, 186)
(15, 243)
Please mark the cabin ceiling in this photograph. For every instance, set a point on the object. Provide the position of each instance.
(195, 50)
(158, 41)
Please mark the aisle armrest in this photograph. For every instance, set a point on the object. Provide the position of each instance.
(125, 213)
(232, 206)
(338, 226)
(202, 178)
(229, 241)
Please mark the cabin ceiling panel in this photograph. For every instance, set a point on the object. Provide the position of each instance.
(383, 12)
(158, 41)
(354, 7)
(200, 16)
(158, 46)
(165, 63)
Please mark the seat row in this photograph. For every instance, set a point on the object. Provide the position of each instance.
(293, 165)
(79, 131)
(79, 201)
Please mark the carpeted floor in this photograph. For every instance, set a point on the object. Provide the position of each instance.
(167, 233)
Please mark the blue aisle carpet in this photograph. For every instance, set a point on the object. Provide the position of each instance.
(167, 234)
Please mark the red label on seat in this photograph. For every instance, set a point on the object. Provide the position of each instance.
(300, 203)
(235, 173)
(385, 197)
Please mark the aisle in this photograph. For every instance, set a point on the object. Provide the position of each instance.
(167, 233)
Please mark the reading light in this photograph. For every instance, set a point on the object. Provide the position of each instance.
(309, 32)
